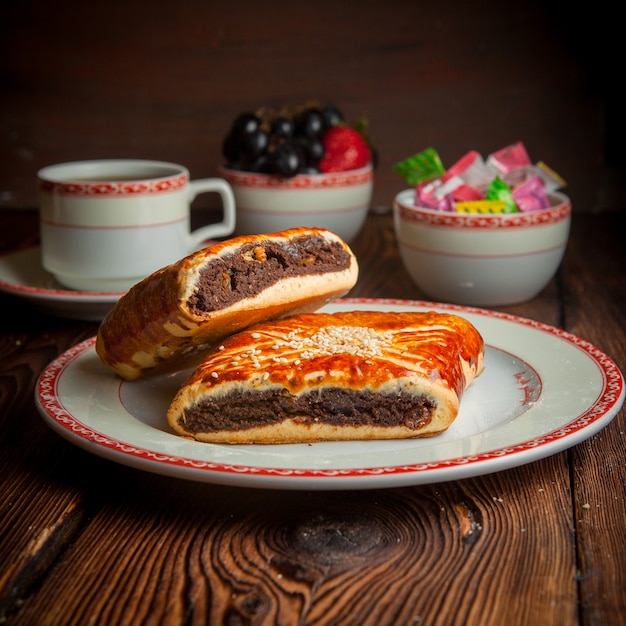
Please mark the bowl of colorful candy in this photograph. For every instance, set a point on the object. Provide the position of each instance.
(484, 232)
(299, 166)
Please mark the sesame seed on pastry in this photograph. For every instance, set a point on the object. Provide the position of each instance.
(332, 376)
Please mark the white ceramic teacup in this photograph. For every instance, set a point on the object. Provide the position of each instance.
(107, 224)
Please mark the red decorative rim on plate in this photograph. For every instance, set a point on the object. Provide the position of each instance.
(572, 429)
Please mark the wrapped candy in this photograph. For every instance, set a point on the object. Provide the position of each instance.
(421, 167)
(551, 180)
(498, 190)
(466, 193)
(472, 169)
(505, 182)
(531, 195)
(434, 194)
(482, 206)
(509, 158)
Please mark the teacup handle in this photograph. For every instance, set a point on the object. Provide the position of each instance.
(227, 225)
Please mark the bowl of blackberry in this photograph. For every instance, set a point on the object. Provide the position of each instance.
(299, 166)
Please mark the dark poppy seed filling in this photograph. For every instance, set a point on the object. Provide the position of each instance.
(340, 407)
(256, 266)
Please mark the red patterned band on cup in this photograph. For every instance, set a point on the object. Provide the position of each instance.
(114, 188)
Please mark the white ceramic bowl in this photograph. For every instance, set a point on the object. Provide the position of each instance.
(338, 201)
(478, 259)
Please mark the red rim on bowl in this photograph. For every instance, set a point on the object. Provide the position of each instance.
(301, 181)
(406, 210)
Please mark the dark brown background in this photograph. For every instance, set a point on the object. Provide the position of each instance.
(163, 80)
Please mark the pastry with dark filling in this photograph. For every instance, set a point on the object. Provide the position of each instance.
(172, 318)
(332, 376)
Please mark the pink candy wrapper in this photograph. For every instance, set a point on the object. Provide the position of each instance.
(472, 169)
(466, 193)
(434, 194)
(531, 195)
(510, 158)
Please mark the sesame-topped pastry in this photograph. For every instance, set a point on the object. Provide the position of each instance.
(332, 376)
(171, 319)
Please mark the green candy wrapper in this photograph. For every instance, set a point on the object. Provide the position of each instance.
(421, 167)
(499, 190)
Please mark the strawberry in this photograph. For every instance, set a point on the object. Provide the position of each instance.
(345, 149)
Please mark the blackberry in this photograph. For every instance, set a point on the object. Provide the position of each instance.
(285, 160)
(309, 123)
(332, 116)
(283, 142)
(282, 127)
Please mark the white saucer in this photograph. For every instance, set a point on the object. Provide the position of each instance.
(22, 275)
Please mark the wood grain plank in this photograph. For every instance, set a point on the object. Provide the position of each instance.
(40, 510)
(595, 267)
(473, 551)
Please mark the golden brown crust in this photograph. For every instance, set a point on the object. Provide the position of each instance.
(154, 327)
(368, 358)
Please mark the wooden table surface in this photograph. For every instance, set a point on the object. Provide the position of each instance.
(84, 540)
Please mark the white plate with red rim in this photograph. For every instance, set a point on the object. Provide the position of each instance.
(542, 391)
(22, 275)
